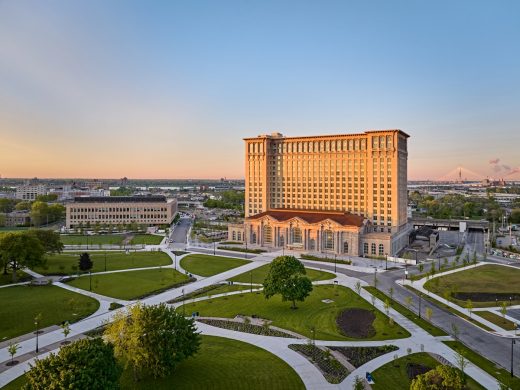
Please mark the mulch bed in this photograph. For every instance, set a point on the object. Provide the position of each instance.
(358, 356)
(356, 323)
(246, 328)
(486, 296)
(332, 369)
(414, 369)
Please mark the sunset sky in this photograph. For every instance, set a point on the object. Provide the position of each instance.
(150, 89)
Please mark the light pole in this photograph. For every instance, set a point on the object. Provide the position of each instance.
(213, 247)
(105, 261)
(183, 305)
(175, 261)
(386, 261)
(420, 300)
(513, 342)
(250, 281)
(335, 263)
(90, 279)
(37, 324)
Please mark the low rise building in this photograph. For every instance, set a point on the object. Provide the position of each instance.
(120, 210)
(16, 218)
(30, 191)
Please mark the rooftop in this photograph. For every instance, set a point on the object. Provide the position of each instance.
(345, 219)
(120, 199)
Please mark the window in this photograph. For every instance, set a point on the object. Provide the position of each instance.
(268, 234)
(296, 235)
(345, 247)
(234, 235)
(328, 239)
(365, 248)
(381, 249)
(373, 248)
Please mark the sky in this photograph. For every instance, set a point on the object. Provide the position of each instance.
(168, 89)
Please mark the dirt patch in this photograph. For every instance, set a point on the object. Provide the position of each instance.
(414, 369)
(486, 296)
(356, 323)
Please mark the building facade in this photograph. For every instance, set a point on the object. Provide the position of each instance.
(15, 218)
(30, 191)
(336, 192)
(117, 210)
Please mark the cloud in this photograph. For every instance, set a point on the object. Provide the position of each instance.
(513, 171)
(495, 161)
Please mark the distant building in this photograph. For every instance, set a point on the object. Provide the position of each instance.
(68, 192)
(117, 210)
(30, 191)
(17, 218)
(337, 194)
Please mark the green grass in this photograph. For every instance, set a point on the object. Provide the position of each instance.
(450, 309)
(260, 273)
(484, 279)
(17, 384)
(504, 323)
(212, 290)
(421, 322)
(220, 364)
(394, 376)
(114, 239)
(61, 264)
(20, 304)
(208, 265)
(491, 368)
(132, 284)
(311, 313)
(146, 239)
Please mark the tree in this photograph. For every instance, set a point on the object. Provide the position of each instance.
(441, 377)
(152, 339)
(50, 240)
(85, 263)
(84, 364)
(469, 306)
(12, 349)
(391, 293)
(503, 310)
(421, 267)
(65, 329)
(286, 277)
(358, 384)
(462, 363)
(408, 301)
(19, 250)
(455, 330)
(428, 313)
(23, 206)
(357, 286)
(39, 213)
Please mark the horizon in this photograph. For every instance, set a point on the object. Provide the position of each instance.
(91, 89)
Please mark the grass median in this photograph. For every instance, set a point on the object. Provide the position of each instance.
(259, 274)
(208, 265)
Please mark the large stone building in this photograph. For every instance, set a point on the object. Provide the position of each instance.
(117, 210)
(30, 191)
(340, 194)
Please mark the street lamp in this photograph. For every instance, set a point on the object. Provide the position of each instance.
(513, 342)
(251, 281)
(175, 261)
(37, 324)
(420, 300)
(335, 263)
(335, 287)
(386, 261)
(105, 261)
(90, 279)
(183, 305)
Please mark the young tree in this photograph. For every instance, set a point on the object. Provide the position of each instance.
(462, 363)
(503, 310)
(455, 330)
(84, 364)
(469, 306)
(357, 287)
(375, 278)
(391, 293)
(85, 263)
(12, 349)
(428, 313)
(65, 329)
(286, 277)
(386, 305)
(154, 339)
(408, 301)
(421, 267)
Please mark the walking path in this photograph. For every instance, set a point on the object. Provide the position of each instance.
(311, 376)
(419, 285)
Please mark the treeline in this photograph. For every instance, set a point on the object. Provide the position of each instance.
(457, 206)
(230, 199)
(41, 212)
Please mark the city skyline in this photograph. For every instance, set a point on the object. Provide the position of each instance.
(97, 90)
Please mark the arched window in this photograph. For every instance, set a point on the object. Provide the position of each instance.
(345, 247)
(253, 238)
(373, 248)
(365, 248)
(234, 235)
(381, 249)
(328, 239)
(296, 235)
(268, 234)
(239, 236)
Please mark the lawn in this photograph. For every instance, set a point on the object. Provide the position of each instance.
(220, 364)
(146, 239)
(132, 284)
(8, 278)
(61, 264)
(20, 304)
(114, 239)
(311, 313)
(394, 375)
(491, 368)
(212, 290)
(427, 326)
(259, 274)
(208, 265)
(504, 323)
(488, 283)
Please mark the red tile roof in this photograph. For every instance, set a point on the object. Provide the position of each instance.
(345, 219)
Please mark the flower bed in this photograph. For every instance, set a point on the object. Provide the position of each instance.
(239, 249)
(325, 259)
(333, 370)
(358, 356)
(262, 330)
(201, 292)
